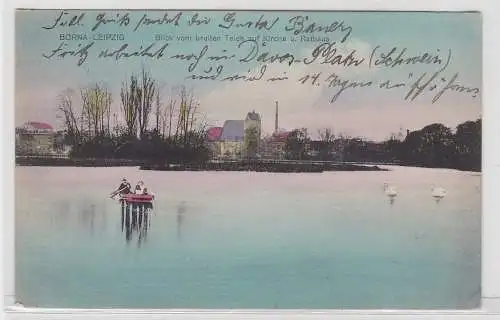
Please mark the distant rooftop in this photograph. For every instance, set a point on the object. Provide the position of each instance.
(280, 136)
(233, 130)
(35, 125)
(214, 133)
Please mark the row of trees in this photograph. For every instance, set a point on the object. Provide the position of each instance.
(144, 127)
(434, 145)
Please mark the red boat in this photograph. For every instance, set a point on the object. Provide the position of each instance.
(137, 198)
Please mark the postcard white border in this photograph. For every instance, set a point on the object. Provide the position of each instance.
(491, 160)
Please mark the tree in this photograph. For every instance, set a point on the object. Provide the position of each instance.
(71, 117)
(432, 146)
(394, 147)
(88, 124)
(251, 141)
(130, 96)
(468, 145)
(148, 88)
(436, 146)
(96, 109)
(295, 145)
(137, 102)
(167, 117)
(158, 112)
(190, 122)
(326, 135)
(327, 138)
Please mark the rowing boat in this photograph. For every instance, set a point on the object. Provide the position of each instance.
(136, 198)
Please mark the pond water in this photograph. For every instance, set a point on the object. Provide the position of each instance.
(249, 240)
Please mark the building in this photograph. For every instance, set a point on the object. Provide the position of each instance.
(235, 137)
(213, 141)
(252, 133)
(231, 139)
(323, 150)
(35, 138)
(274, 147)
(214, 133)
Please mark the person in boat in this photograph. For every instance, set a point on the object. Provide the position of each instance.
(124, 187)
(139, 188)
(146, 192)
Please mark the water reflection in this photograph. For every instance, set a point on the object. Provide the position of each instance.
(390, 192)
(92, 217)
(86, 216)
(136, 221)
(181, 210)
(59, 217)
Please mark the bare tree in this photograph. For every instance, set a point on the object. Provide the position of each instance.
(148, 88)
(137, 100)
(130, 95)
(326, 135)
(183, 117)
(171, 110)
(158, 112)
(69, 114)
(109, 100)
(108, 115)
(181, 114)
(86, 112)
(96, 108)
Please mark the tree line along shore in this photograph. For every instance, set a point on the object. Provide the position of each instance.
(434, 147)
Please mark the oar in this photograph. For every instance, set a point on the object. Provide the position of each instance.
(116, 192)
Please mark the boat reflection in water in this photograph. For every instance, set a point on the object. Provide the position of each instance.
(136, 220)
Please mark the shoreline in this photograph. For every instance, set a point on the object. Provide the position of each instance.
(284, 166)
(239, 165)
(272, 167)
(75, 162)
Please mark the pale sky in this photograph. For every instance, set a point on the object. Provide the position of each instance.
(369, 112)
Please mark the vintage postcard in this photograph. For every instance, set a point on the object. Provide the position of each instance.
(248, 159)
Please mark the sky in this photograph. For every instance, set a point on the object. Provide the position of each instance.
(369, 111)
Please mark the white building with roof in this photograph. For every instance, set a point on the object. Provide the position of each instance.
(231, 140)
(35, 138)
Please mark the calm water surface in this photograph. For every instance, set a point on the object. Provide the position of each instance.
(249, 240)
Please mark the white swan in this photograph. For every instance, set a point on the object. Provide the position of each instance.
(390, 191)
(438, 193)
